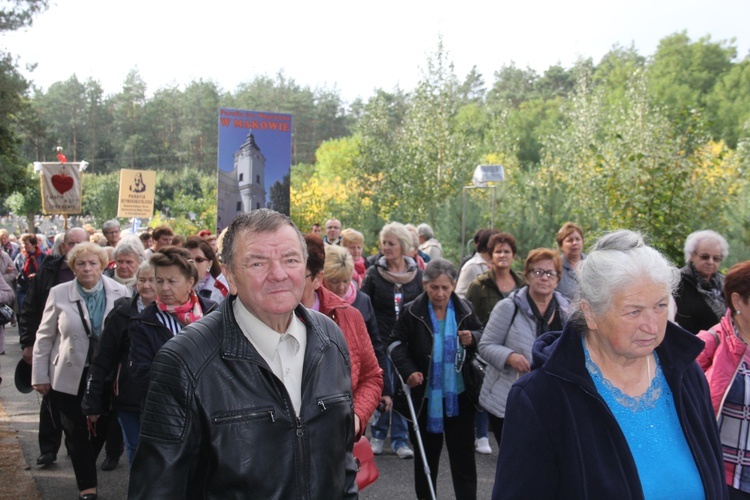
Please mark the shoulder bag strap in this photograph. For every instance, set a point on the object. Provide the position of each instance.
(83, 319)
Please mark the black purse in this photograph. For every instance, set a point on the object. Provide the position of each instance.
(6, 314)
(473, 373)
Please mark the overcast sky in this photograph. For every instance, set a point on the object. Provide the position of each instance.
(352, 46)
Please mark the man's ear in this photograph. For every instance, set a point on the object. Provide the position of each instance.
(230, 279)
(589, 315)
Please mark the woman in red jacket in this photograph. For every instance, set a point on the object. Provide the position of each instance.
(367, 377)
(726, 362)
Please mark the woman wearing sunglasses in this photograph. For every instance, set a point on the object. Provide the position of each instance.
(435, 337)
(699, 297)
(211, 283)
(514, 325)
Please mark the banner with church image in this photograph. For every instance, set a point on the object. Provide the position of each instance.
(254, 162)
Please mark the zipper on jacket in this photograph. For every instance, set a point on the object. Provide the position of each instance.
(332, 400)
(239, 417)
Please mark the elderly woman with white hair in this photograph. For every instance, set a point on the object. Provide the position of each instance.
(615, 405)
(427, 242)
(128, 255)
(69, 331)
(394, 280)
(700, 296)
(111, 361)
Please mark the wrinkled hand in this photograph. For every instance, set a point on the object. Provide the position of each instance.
(415, 379)
(518, 362)
(465, 337)
(42, 389)
(28, 354)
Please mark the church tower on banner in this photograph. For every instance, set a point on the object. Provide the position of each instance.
(244, 186)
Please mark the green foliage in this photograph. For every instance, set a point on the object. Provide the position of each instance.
(683, 73)
(28, 200)
(20, 13)
(280, 199)
(653, 143)
(100, 195)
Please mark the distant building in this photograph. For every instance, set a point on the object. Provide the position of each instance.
(243, 189)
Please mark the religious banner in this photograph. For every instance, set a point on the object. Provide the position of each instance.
(61, 187)
(254, 162)
(137, 193)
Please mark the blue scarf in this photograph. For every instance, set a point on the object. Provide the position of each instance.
(444, 380)
(95, 301)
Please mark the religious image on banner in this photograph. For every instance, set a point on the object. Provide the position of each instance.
(254, 162)
(137, 193)
(61, 187)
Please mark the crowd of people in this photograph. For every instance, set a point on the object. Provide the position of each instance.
(183, 349)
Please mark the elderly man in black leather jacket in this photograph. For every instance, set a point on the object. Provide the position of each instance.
(254, 400)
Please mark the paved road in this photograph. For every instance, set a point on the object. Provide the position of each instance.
(19, 415)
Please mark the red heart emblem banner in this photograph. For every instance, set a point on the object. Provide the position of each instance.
(61, 188)
(62, 183)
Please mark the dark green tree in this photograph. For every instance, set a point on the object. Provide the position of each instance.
(279, 196)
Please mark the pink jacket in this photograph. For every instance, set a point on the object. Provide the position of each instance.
(721, 358)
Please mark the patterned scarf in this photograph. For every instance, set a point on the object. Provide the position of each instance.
(31, 266)
(711, 290)
(96, 301)
(186, 313)
(444, 380)
(542, 321)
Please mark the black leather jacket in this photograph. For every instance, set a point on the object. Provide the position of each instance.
(217, 423)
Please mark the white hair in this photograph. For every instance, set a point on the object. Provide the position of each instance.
(694, 239)
(425, 231)
(617, 260)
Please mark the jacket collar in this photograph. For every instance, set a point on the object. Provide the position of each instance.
(487, 278)
(561, 355)
(329, 301)
(521, 298)
(236, 345)
(419, 309)
(148, 315)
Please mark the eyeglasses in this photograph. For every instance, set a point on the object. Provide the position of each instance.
(308, 275)
(540, 272)
(705, 256)
(200, 260)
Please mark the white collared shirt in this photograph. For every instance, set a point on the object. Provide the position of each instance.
(284, 352)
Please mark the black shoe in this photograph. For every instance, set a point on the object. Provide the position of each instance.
(87, 496)
(46, 458)
(110, 463)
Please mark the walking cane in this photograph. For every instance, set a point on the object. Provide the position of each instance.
(415, 425)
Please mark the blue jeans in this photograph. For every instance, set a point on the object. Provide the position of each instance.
(482, 423)
(398, 424)
(130, 421)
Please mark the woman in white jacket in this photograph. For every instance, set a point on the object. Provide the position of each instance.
(70, 327)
